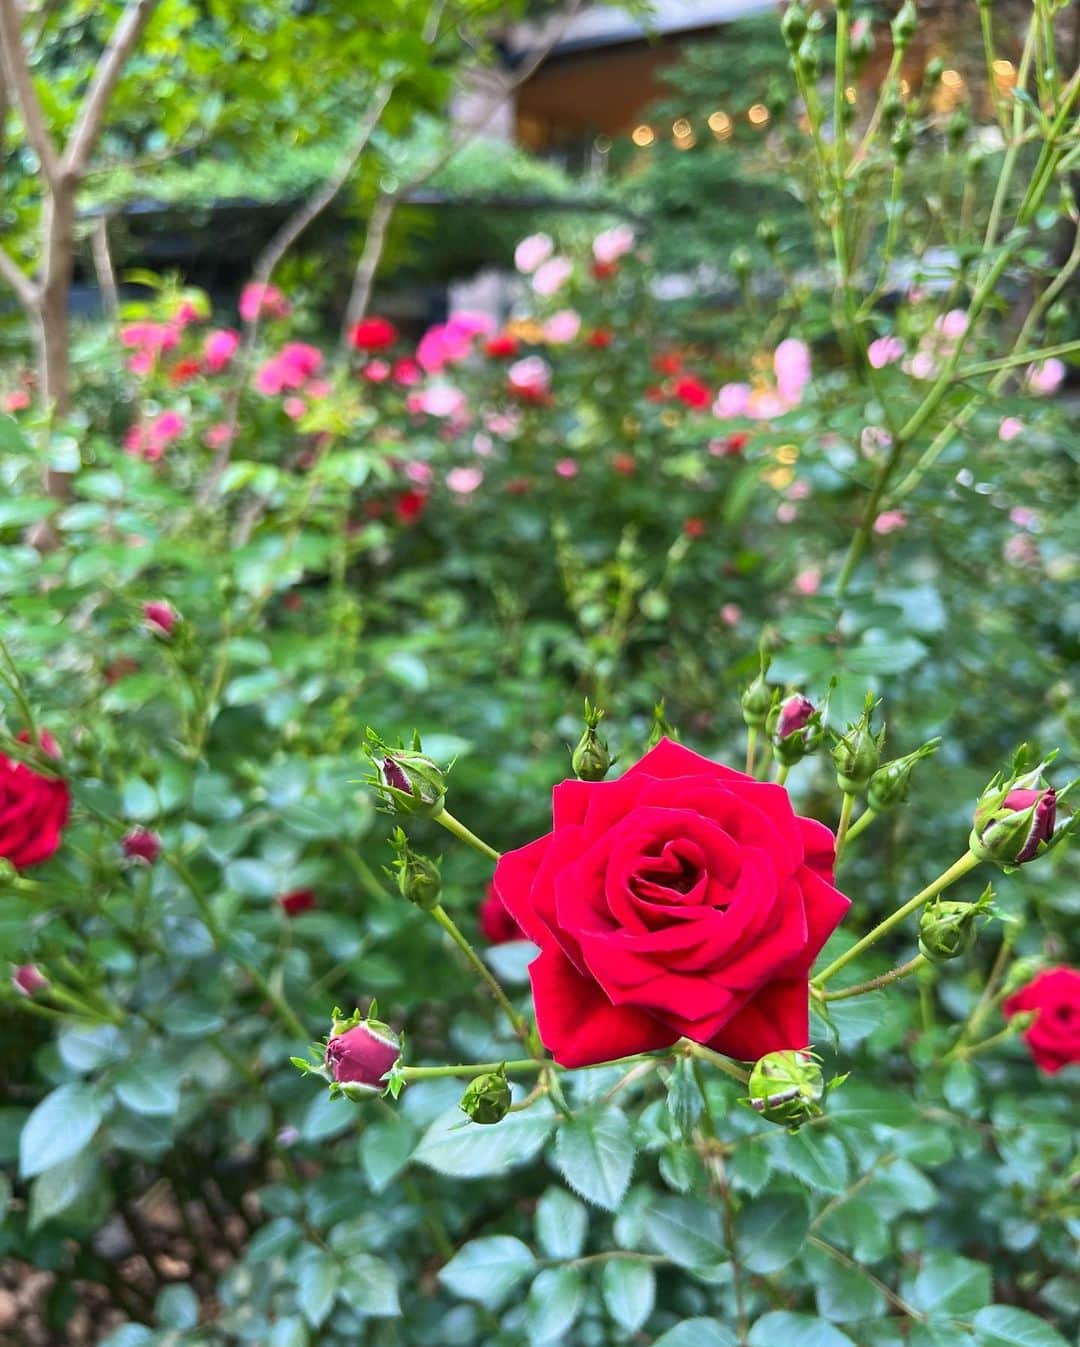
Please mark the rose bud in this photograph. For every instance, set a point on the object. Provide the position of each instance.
(487, 1097)
(296, 901)
(795, 728)
(890, 783)
(757, 700)
(408, 781)
(858, 752)
(947, 929)
(28, 980)
(1014, 822)
(160, 618)
(591, 759)
(418, 877)
(140, 844)
(359, 1053)
(661, 729)
(786, 1087)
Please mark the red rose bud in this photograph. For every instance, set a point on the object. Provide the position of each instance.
(140, 844)
(599, 338)
(502, 346)
(591, 759)
(1053, 1036)
(890, 783)
(487, 1097)
(795, 727)
(497, 925)
(373, 334)
(408, 781)
(1014, 825)
(787, 1088)
(28, 980)
(297, 901)
(359, 1055)
(160, 618)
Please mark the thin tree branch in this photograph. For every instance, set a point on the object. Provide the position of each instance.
(364, 278)
(21, 81)
(110, 67)
(103, 267)
(26, 292)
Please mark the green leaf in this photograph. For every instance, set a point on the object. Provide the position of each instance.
(770, 1232)
(273, 1239)
(290, 1332)
(815, 1158)
(796, 1330)
(177, 1307)
(385, 1150)
(949, 1285)
(149, 1087)
(699, 1333)
(629, 1291)
(684, 1100)
(325, 1117)
(687, 1231)
(844, 1294)
(885, 657)
(455, 1146)
(866, 1104)
(1004, 1326)
(561, 1224)
(553, 1304)
(595, 1155)
(369, 1287)
(317, 1287)
(488, 1269)
(61, 1125)
(59, 1188)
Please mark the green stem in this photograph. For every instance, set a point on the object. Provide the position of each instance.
(1010, 1031)
(893, 975)
(1017, 358)
(967, 862)
(782, 774)
(455, 826)
(985, 1002)
(520, 1026)
(699, 1050)
(863, 821)
(845, 819)
(466, 1070)
(751, 749)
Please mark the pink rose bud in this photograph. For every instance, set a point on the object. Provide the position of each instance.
(1042, 820)
(359, 1058)
(28, 980)
(296, 901)
(794, 715)
(140, 844)
(160, 617)
(1014, 825)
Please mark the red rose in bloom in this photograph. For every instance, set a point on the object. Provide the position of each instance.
(600, 338)
(184, 371)
(33, 809)
(694, 527)
(299, 900)
(497, 925)
(1054, 1035)
(685, 898)
(502, 346)
(692, 392)
(373, 334)
(409, 506)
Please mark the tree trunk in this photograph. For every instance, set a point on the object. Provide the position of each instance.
(54, 336)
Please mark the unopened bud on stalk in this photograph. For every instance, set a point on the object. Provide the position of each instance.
(1021, 973)
(768, 233)
(408, 781)
(661, 727)
(591, 759)
(903, 140)
(891, 782)
(858, 752)
(740, 263)
(487, 1098)
(808, 58)
(795, 729)
(787, 1088)
(793, 25)
(1014, 827)
(417, 876)
(360, 1052)
(934, 70)
(947, 928)
(758, 698)
(892, 107)
(904, 25)
(958, 127)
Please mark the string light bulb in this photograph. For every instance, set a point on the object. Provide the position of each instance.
(643, 136)
(720, 124)
(758, 114)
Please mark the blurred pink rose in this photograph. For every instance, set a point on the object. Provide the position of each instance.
(1010, 428)
(219, 348)
(376, 371)
(418, 472)
(884, 351)
(787, 513)
(442, 400)
(612, 244)
(262, 301)
(294, 407)
(552, 275)
(730, 614)
(17, 400)
(732, 400)
(922, 365)
(218, 435)
(562, 327)
(808, 581)
(532, 251)
(952, 325)
(791, 363)
(530, 377)
(1046, 376)
(567, 467)
(889, 521)
(464, 481)
(1022, 517)
(1021, 550)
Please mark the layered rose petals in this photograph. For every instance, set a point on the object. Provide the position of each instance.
(33, 810)
(683, 899)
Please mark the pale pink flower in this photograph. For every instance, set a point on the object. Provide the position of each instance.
(317, 389)
(1010, 428)
(17, 400)
(889, 521)
(808, 581)
(167, 426)
(874, 440)
(530, 377)
(149, 336)
(218, 435)
(764, 403)
(469, 323)
(552, 275)
(219, 348)
(444, 344)
(376, 371)
(922, 365)
(1022, 517)
(1021, 550)
(612, 244)
(294, 407)
(567, 467)
(562, 327)
(732, 400)
(952, 325)
(483, 444)
(464, 481)
(884, 351)
(420, 473)
(791, 363)
(503, 424)
(141, 363)
(800, 489)
(731, 614)
(1046, 376)
(787, 513)
(532, 251)
(258, 300)
(442, 400)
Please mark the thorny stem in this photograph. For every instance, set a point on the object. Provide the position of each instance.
(463, 834)
(700, 1051)
(519, 1023)
(893, 975)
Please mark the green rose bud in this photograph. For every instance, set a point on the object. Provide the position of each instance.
(891, 782)
(904, 25)
(757, 700)
(787, 1088)
(858, 752)
(903, 140)
(418, 877)
(409, 782)
(487, 1097)
(793, 25)
(661, 728)
(591, 759)
(947, 928)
